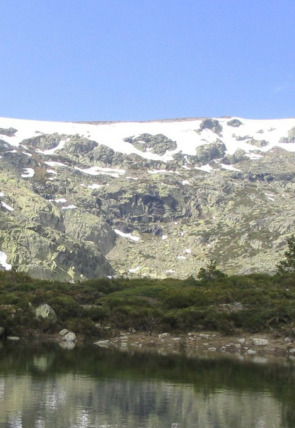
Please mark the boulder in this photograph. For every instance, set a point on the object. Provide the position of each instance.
(9, 132)
(234, 122)
(70, 337)
(67, 345)
(162, 335)
(259, 341)
(158, 144)
(44, 142)
(209, 152)
(45, 312)
(211, 124)
(258, 143)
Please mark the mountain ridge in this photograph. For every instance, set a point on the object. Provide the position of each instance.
(152, 198)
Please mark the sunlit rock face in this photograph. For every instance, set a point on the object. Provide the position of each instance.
(158, 199)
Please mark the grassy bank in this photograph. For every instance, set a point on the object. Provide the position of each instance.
(97, 308)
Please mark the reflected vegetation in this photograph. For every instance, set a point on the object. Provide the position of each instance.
(46, 386)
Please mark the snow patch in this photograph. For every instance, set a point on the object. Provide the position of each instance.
(60, 200)
(229, 167)
(164, 237)
(51, 171)
(52, 163)
(127, 235)
(60, 146)
(181, 258)
(135, 269)
(2, 194)
(95, 186)
(270, 196)
(188, 251)
(186, 182)
(28, 173)
(69, 207)
(3, 261)
(253, 156)
(8, 207)
(162, 171)
(206, 168)
(95, 170)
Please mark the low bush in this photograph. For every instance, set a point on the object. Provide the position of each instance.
(253, 303)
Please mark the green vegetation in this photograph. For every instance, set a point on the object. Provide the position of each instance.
(288, 265)
(98, 308)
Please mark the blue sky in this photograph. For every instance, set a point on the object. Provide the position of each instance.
(76, 60)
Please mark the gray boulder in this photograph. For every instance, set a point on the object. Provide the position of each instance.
(70, 337)
(290, 138)
(209, 152)
(46, 312)
(211, 124)
(9, 132)
(234, 123)
(259, 341)
(157, 144)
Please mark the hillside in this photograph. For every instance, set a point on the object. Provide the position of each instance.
(157, 199)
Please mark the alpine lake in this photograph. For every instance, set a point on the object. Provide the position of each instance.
(45, 386)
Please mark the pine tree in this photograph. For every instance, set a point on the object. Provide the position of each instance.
(288, 265)
(210, 272)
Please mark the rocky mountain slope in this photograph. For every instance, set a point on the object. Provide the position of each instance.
(83, 200)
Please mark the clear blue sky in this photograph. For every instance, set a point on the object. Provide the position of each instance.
(146, 59)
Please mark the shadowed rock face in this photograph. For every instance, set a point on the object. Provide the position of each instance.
(147, 199)
(211, 124)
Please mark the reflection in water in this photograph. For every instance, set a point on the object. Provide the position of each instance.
(88, 388)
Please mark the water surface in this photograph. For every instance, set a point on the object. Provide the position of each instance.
(48, 387)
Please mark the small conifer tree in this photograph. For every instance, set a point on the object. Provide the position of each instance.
(210, 272)
(288, 265)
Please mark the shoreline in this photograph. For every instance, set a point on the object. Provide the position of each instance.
(256, 348)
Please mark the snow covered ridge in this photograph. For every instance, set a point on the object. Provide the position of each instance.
(236, 133)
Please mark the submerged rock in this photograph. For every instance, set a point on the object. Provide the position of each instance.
(67, 345)
(104, 343)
